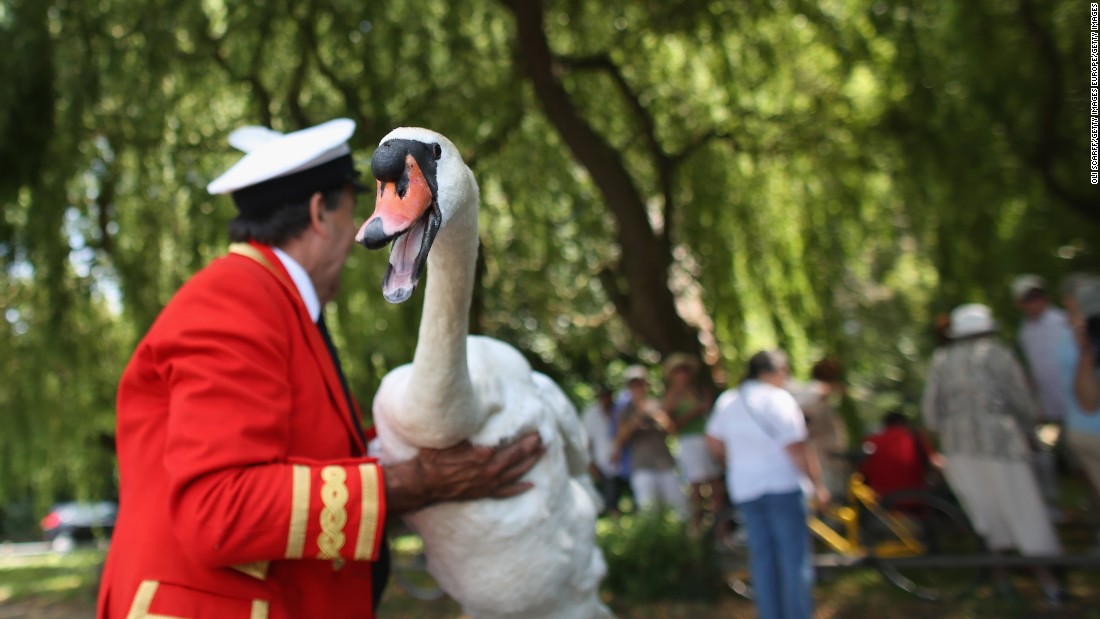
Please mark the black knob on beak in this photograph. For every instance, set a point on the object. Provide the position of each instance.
(372, 236)
(388, 162)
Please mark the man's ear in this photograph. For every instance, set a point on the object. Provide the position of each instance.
(317, 211)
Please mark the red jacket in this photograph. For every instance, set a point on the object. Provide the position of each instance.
(243, 493)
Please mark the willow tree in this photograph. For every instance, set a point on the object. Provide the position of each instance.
(831, 173)
(702, 176)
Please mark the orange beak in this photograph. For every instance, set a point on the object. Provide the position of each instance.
(405, 212)
(396, 212)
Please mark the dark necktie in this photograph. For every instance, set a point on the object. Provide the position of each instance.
(380, 572)
(340, 372)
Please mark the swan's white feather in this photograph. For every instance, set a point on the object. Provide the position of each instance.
(532, 556)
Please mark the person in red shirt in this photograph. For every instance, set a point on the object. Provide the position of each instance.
(900, 458)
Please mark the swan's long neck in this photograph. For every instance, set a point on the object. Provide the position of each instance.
(440, 386)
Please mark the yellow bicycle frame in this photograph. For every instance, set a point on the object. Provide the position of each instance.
(849, 544)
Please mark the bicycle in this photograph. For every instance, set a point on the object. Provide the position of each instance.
(881, 531)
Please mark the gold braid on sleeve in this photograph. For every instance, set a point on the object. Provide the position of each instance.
(334, 515)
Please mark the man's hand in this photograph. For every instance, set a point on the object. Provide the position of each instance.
(461, 472)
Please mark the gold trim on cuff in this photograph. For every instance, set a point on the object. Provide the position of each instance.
(334, 496)
(368, 517)
(259, 609)
(299, 512)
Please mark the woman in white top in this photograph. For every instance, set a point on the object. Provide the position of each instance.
(760, 433)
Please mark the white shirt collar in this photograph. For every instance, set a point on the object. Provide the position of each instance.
(302, 281)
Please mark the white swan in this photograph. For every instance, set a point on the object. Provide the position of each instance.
(530, 556)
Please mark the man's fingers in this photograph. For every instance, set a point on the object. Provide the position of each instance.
(528, 442)
(519, 468)
(518, 458)
(513, 462)
(512, 490)
(526, 447)
(464, 471)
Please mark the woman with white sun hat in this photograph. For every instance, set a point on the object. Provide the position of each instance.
(977, 400)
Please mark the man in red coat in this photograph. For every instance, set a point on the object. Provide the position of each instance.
(245, 489)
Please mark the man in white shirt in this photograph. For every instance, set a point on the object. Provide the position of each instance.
(1040, 331)
(759, 431)
(1043, 327)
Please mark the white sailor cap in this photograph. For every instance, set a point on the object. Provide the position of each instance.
(278, 168)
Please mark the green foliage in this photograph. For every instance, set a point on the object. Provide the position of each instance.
(19, 521)
(651, 556)
(825, 177)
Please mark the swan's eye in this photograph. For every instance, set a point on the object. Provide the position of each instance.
(437, 150)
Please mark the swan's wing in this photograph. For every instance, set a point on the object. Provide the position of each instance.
(567, 422)
(387, 403)
(574, 440)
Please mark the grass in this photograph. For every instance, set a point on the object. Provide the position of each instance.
(863, 594)
(63, 587)
(70, 577)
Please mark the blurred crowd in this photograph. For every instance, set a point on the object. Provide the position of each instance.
(997, 425)
(1006, 423)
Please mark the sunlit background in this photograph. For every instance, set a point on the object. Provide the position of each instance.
(706, 176)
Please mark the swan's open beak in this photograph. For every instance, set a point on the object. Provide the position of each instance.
(406, 213)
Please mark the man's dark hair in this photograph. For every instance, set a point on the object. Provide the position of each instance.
(827, 370)
(281, 223)
(1034, 294)
(766, 362)
(895, 418)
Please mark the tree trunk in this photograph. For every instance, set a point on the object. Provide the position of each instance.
(638, 285)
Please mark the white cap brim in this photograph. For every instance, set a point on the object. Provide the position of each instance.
(272, 155)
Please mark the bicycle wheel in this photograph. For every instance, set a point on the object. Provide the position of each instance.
(912, 537)
(409, 564)
(728, 537)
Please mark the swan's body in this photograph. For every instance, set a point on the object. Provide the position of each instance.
(533, 555)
